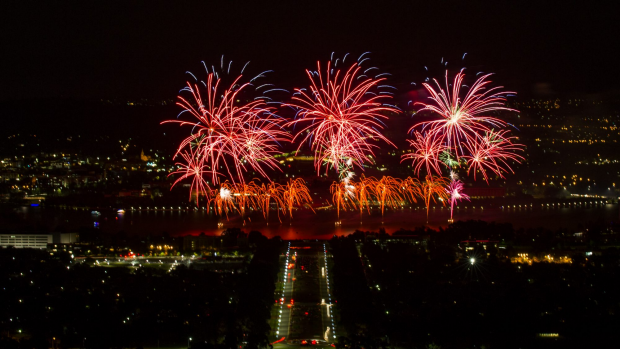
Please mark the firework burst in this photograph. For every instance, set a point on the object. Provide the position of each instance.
(229, 134)
(426, 152)
(344, 115)
(463, 119)
(492, 153)
(464, 130)
(410, 187)
(195, 168)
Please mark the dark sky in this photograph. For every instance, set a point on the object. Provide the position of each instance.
(131, 49)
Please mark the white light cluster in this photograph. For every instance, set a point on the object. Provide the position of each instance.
(329, 294)
(283, 287)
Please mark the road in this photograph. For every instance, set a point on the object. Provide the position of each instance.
(286, 276)
(326, 297)
(312, 256)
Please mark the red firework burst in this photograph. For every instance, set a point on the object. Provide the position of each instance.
(193, 166)
(463, 119)
(426, 151)
(492, 152)
(465, 129)
(230, 135)
(344, 115)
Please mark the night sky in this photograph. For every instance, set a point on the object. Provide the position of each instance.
(130, 49)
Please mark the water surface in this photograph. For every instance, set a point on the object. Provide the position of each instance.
(305, 223)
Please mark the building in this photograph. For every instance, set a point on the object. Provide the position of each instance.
(472, 244)
(65, 238)
(39, 241)
(399, 237)
(69, 248)
(201, 242)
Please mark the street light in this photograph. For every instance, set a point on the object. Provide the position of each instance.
(84, 343)
(188, 340)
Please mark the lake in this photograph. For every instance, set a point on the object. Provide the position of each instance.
(306, 224)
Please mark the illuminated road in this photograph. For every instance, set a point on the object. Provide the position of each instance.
(286, 277)
(326, 297)
(315, 294)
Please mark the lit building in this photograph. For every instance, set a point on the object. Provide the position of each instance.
(39, 241)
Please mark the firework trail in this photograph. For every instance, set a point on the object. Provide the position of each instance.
(410, 187)
(343, 194)
(268, 193)
(343, 113)
(387, 191)
(247, 197)
(431, 188)
(295, 192)
(230, 134)
(223, 199)
(455, 192)
(365, 192)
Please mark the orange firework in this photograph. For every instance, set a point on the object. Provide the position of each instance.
(343, 195)
(387, 191)
(431, 188)
(295, 192)
(223, 199)
(247, 197)
(272, 191)
(365, 190)
(411, 188)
